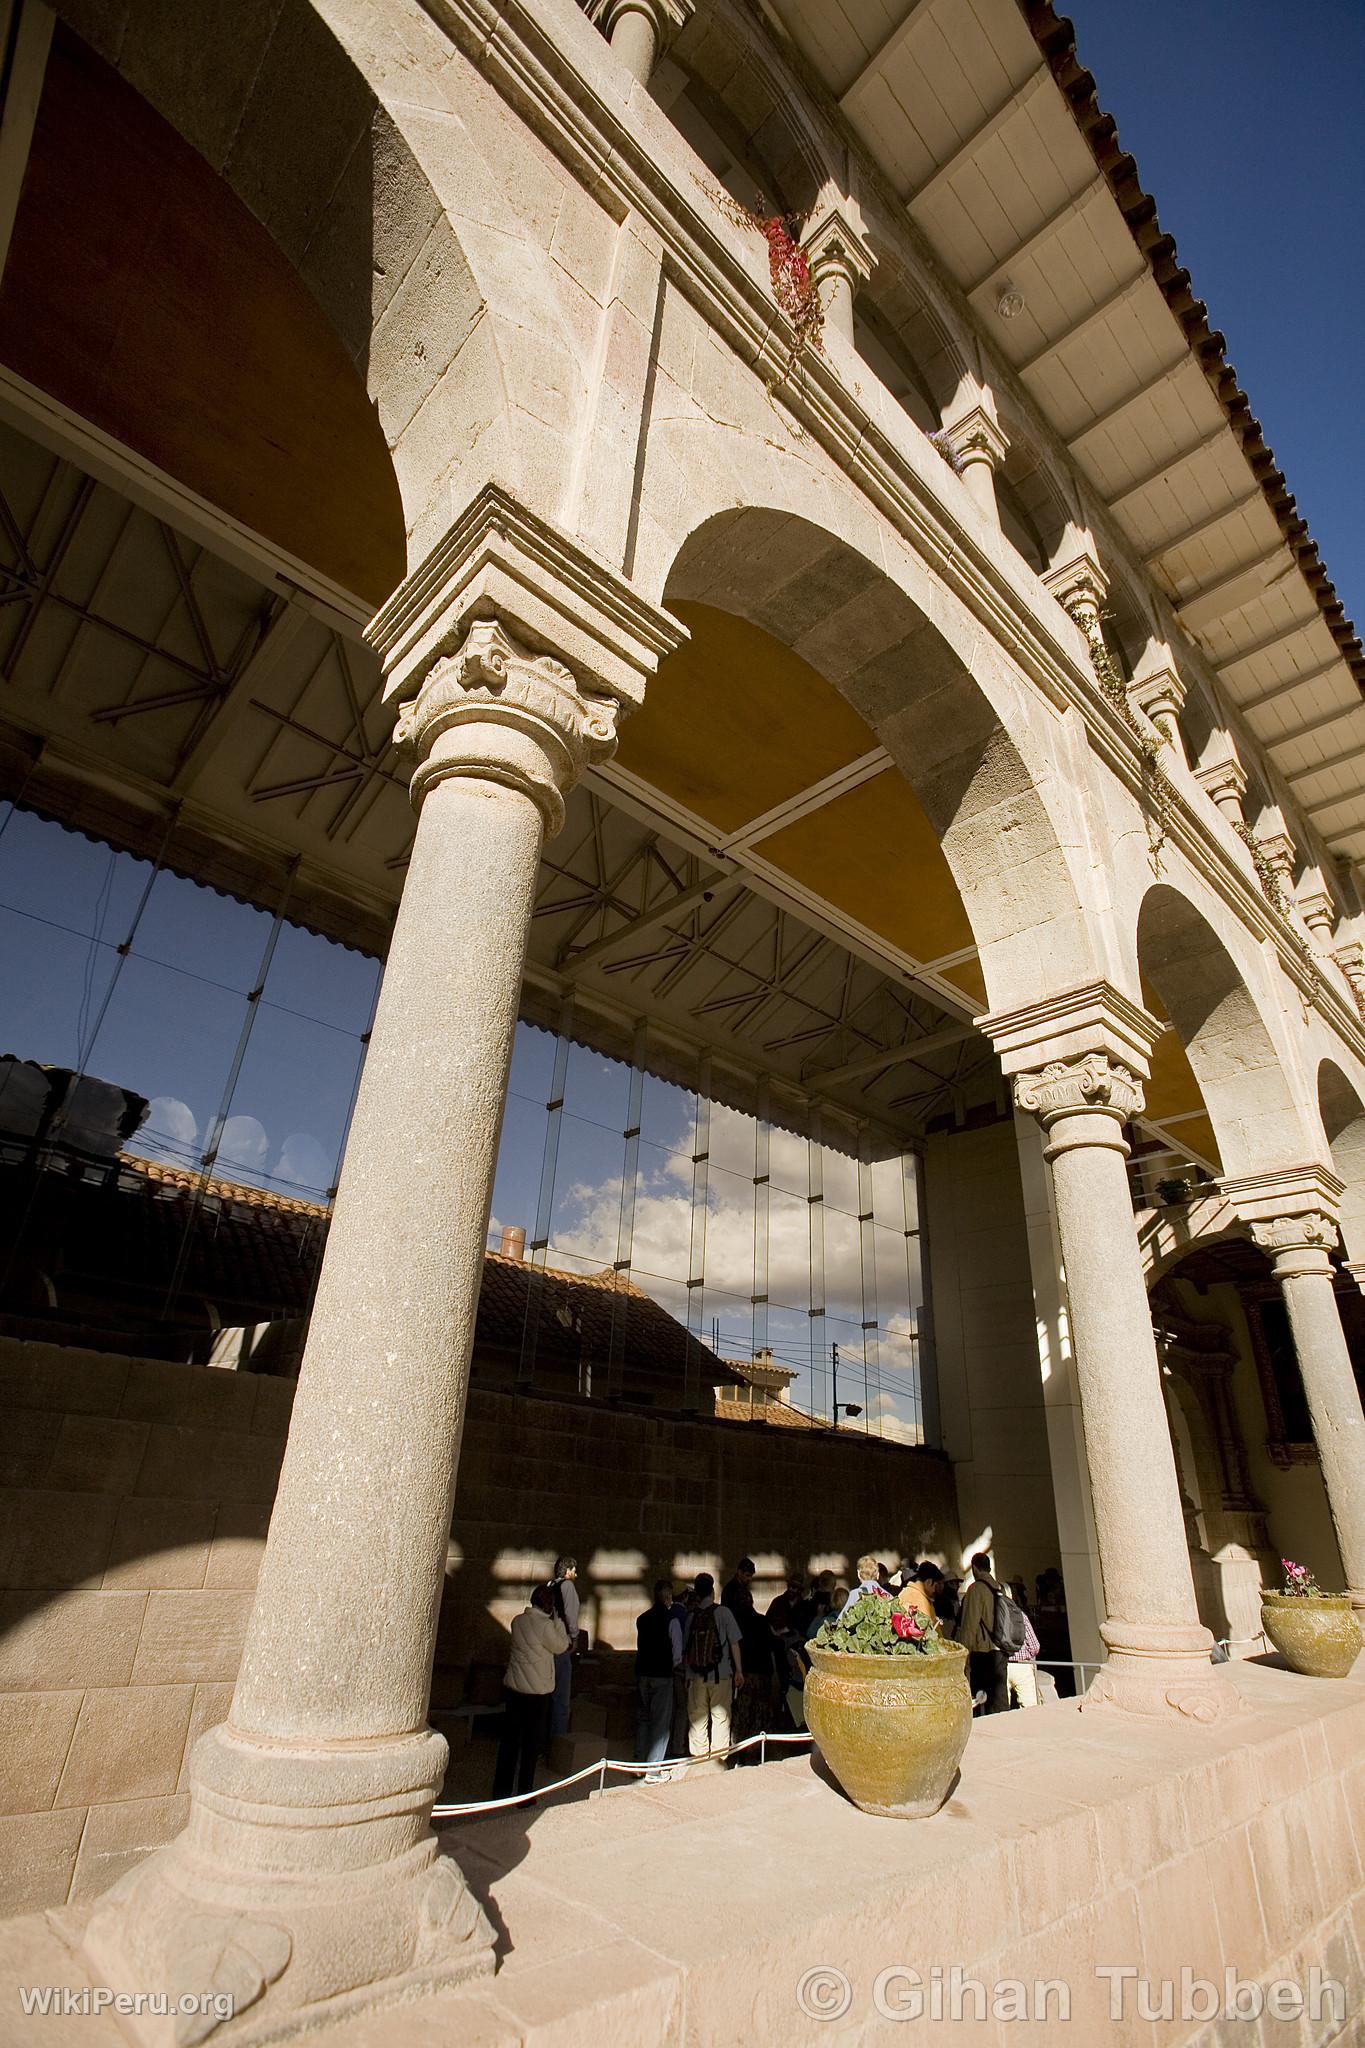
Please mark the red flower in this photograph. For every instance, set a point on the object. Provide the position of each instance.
(904, 1625)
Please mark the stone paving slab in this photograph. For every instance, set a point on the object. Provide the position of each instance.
(687, 1912)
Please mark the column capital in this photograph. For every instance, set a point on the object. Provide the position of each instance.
(1095, 1018)
(1319, 912)
(499, 560)
(496, 713)
(1160, 694)
(665, 17)
(1080, 587)
(1289, 1210)
(835, 242)
(1225, 781)
(1089, 1084)
(976, 437)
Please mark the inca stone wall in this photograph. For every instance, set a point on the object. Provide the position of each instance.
(134, 1498)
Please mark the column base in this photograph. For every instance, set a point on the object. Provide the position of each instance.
(307, 1884)
(1163, 1672)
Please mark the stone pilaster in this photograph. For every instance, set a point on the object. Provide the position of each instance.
(1080, 587)
(1160, 695)
(1224, 780)
(640, 31)
(1292, 1215)
(1319, 913)
(308, 1881)
(978, 446)
(841, 262)
(1078, 1062)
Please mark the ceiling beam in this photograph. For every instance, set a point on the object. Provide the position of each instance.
(1235, 590)
(286, 623)
(1310, 727)
(717, 884)
(1329, 803)
(1032, 242)
(1287, 689)
(26, 29)
(940, 175)
(915, 13)
(1200, 527)
(1120, 406)
(792, 808)
(1107, 305)
(878, 1062)
(1276, 639)
(1163, 469)
(1343, 759)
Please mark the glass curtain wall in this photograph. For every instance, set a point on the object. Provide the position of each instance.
(244, 1035)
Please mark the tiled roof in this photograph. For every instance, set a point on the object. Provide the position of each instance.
(574, 1321)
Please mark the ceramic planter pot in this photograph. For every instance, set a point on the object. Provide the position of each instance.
(891, 1729)
(1318, 1637)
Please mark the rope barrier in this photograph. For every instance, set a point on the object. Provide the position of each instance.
(670, 1767)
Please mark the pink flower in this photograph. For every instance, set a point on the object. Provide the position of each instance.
(904, 1625)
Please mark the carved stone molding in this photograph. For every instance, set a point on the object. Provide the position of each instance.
(976, 437)
(1161, 696)
(1080, 587)
(1225, 782)
(1092, 1082)
(495, 712)
(836, 248)
(1310, 1232)
(1094, 1017)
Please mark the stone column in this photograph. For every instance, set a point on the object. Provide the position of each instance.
(1160, 693)
(308, 1880)
(978, 447)
(1291, 1218)
(639, 31)
(1076, 1062)
(840, 263)
(1225, 782)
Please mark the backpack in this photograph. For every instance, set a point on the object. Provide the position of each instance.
(702, 1650)
(1009, 1625)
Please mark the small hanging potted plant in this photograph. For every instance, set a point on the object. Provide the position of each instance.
(1315, 1632)
(888, 1705)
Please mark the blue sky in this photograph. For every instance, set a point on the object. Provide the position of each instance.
(1246, 122)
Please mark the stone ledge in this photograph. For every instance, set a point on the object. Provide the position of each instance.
(687, 1913)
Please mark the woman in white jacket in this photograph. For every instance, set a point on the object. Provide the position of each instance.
(538, 1637)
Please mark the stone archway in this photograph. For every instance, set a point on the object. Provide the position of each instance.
(979, 778)
(1240, 1071)
(1343, 1120)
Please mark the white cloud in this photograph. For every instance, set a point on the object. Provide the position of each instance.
(243, 1143)
(170, 1126)
(303, 1163)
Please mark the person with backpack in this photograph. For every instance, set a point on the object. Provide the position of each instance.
(713, 1659)
(977, 1629)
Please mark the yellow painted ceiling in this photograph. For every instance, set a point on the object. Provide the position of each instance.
(1173, 1089)
(734, 724)
(873, 853)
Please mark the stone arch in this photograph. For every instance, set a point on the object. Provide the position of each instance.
(979, 776)
(1343, 1121)
(904, 338)
(1230, 1048)
(1034, 513)
(734, 89)
(392, 214)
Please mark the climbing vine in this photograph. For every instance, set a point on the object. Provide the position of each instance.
(1158, 791)
(789, 271)
(1272, 888)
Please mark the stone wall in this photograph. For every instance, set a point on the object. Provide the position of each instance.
(134, 1499)
(990, 1385)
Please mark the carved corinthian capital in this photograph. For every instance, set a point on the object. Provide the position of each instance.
(1310, 1232)
(494, 712)
(1090, 1082)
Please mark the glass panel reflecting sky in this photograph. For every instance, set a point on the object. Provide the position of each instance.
(246, 1036)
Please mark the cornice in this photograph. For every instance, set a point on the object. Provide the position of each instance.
(507, 42)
